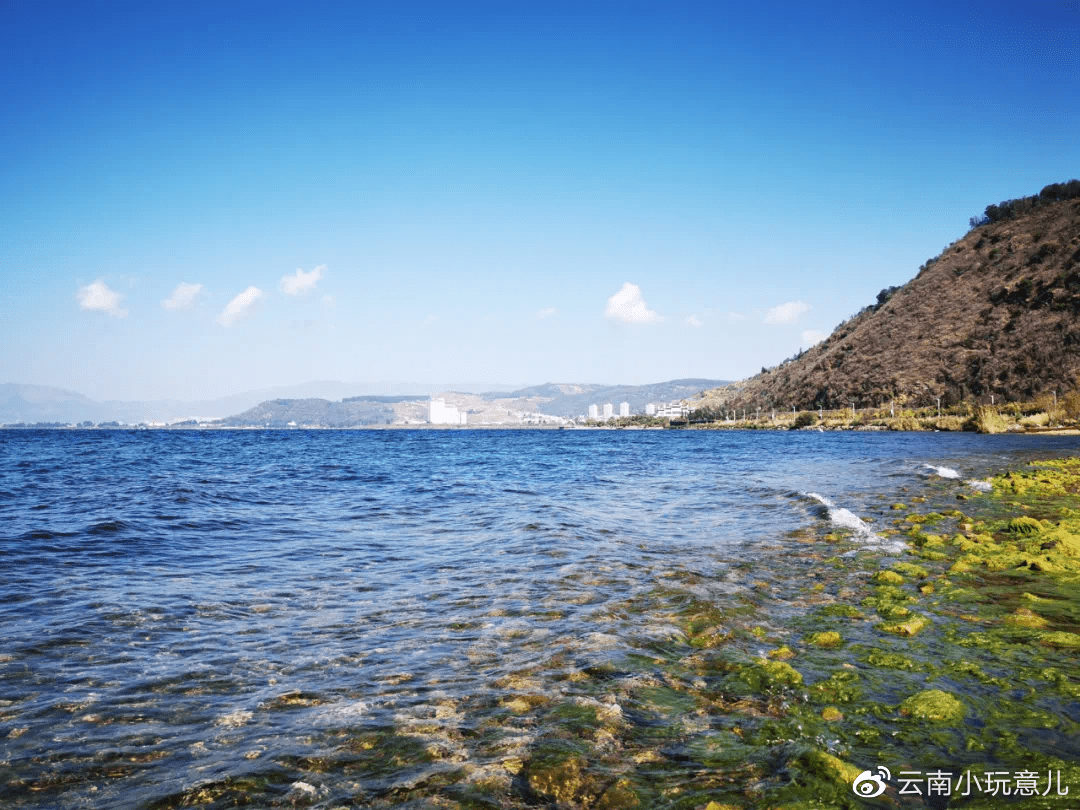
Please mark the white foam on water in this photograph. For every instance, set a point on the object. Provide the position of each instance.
(234, 719)
(943, 472)
(981, 486)
(340, 714)
(846, 519)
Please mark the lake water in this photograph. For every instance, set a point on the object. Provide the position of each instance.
(232, 612)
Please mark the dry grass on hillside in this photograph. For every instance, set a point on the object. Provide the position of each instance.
(996, 314)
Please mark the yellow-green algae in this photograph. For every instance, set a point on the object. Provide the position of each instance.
(765, 674)
(907, 569)
(935, 706)
(829, 638)
(909, 627)
(888, 578)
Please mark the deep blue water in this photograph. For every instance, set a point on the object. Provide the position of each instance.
(179, 607)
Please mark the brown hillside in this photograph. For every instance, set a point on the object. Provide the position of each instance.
(998, 312)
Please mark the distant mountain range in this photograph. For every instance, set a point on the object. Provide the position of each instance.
(559, 401)
(41, 403)
(573, 400)
(334, 403)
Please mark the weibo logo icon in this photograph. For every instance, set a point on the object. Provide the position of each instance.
(869, 785)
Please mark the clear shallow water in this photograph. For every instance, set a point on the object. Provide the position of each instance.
(185, 607)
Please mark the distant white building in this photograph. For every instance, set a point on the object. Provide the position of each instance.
(594, 411)
(673, 410)
(609, 410)
(439, 413)
(624, 409)
(650, 409)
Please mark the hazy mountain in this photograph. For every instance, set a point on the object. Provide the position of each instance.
(565, 399)
(351, 412)
(491, 408)
(41, 403)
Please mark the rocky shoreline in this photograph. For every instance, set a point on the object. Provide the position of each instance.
(929, 660)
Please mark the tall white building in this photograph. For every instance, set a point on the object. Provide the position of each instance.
(650, 409)
(624, 409)
(594, 411)
(439, 413)
(609, 410)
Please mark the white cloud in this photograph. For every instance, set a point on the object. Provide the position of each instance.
(693, 320)
(546, 312)
(301, 282)
(98, 296)
(183, 297)
(811, 337)
(239, 306)
(785, 313)
(628, 306)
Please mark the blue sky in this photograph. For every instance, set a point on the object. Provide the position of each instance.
(503, 192)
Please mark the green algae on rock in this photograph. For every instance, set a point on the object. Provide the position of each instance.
(781, 653)
(909, 627)
(906, 569)
(1024, 525)
(831, 714)
(888, 578)
(826, 765)
(1023, 617)
(1060, 638)
(764, 675)
(935, 706)
(828, 638)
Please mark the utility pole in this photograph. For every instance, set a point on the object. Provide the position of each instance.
(938, 407)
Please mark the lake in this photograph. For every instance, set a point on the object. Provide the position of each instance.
(411, 617)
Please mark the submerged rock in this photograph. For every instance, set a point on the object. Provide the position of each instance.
(910, 570)
(818, 763)
(888, 578)
(828, 638)
(831, 714)
(1060, 638)
(559, 778)
(763, 675)
(1023, 617)
(1024, 525)
(935, 706)
(782, 653)
(917, 623)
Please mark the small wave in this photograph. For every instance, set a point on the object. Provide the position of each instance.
(107, 527)
(843, 518)
(846, 519)
(981, 486)
(943, 472)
